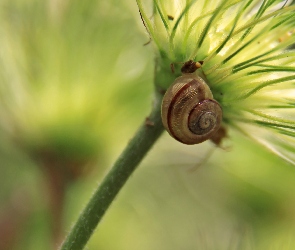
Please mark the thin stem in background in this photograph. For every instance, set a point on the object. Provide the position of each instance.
(135, 151)
(57, 182)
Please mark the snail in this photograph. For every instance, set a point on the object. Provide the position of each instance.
(189, 112)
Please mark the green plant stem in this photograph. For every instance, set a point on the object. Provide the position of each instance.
(130, 158)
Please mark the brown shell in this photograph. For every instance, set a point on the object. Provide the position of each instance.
(189, 113)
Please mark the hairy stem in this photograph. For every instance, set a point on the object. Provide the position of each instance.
(130, 158)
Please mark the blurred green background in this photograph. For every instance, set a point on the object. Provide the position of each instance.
(76, 82)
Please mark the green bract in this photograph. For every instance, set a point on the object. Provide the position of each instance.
(246, 47)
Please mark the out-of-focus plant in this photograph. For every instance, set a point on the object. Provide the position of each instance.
(243, 47)
(55, 88)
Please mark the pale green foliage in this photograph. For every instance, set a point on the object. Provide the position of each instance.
(248, 61)
(58, 76)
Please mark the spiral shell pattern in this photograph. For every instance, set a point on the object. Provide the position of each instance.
(189, 112)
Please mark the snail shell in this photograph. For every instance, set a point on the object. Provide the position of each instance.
(189, 112)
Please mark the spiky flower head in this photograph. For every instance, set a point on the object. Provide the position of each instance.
(249, 63)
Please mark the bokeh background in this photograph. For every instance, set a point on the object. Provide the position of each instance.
(75, 83)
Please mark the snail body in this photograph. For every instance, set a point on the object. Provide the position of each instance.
(189, 112)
